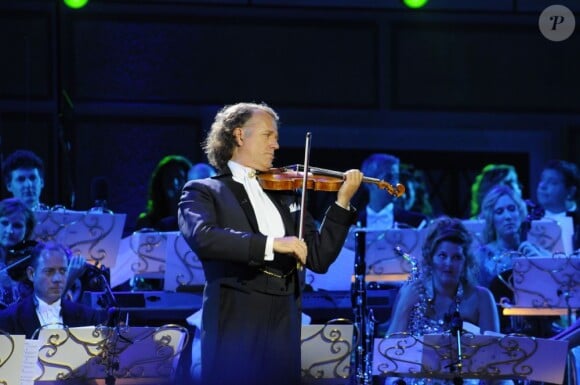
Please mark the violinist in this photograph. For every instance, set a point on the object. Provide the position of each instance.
(247, 240)
(45, 306)
(17, 223)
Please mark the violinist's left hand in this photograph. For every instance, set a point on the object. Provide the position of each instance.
(76, 267)
(530, 250)
(352, 180)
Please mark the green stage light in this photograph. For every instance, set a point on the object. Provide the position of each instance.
(75, 4)
(415, 4)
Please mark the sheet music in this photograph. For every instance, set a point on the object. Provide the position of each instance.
(95, 236)
(30, 369)
(554, 236)
(559, 278)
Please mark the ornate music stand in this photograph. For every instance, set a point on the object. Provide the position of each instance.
(326, 351)
(183, 267)
(94, 235)
(129, 355)
(554, 236)
(383, 264)
(559, 277)
(483, 356)
(163, 256)
(11, 358)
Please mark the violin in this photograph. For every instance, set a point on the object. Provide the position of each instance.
(17, 259)
(319, 179)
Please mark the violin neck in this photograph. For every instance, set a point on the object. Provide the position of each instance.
(326, 172)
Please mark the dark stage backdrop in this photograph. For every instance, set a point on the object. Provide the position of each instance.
(125, 151)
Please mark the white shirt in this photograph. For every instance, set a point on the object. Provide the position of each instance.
(552, 215)
(269, 219)
(384, 219)
(49, 314)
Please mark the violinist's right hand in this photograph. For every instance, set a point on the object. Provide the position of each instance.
(292, 246)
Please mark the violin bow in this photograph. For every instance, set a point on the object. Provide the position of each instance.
(304, 191)
(304, 184)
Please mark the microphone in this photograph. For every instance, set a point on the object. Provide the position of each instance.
(456, 323)
(100, 194)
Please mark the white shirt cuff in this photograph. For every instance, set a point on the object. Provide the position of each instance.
(269, 254)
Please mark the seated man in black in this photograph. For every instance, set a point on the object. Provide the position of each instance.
(47, 307)
(381, 212)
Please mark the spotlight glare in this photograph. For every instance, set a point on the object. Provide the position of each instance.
(415, 4)
(75, 4)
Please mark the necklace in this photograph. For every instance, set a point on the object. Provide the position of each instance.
(431, 322)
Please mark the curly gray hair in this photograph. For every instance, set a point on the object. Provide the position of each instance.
(220, 142)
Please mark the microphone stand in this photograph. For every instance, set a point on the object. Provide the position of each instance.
(110, 302)
(456, 329)
(363, 320)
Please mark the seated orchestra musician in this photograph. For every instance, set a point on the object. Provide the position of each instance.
(46, 306)
(505, 215)
(23, 173)
(558, 191)
(381, 212)
(490, 176)
(443, 289)
(17, 223)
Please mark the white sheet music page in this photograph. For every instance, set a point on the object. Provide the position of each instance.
(30, 368)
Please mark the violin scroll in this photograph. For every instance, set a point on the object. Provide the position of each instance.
(397, 191)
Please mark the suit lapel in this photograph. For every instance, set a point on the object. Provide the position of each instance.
(65, 311)
(27, 322)
(242, 196)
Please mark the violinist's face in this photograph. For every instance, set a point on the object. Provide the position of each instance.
(506, 217)
(49, 277)
(448, 263)
(257, 142)
(12, 229)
